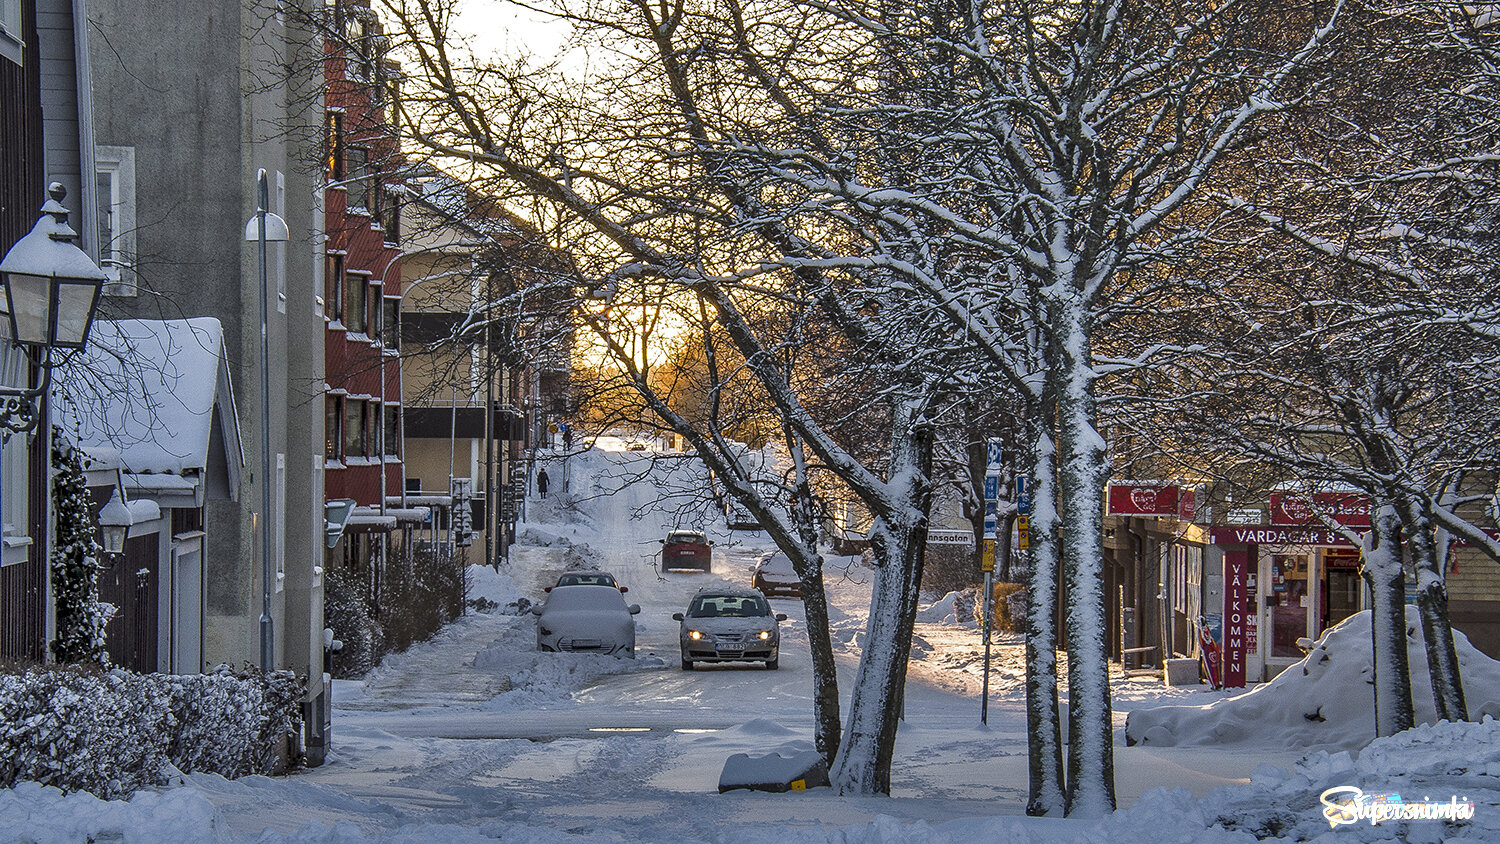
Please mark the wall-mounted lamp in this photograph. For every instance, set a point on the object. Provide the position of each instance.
(114, 523)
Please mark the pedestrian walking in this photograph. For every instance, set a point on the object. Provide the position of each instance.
(541, 483)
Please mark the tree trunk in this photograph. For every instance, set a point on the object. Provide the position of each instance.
(1045, 796)
(1082, 462)
(864, 763)
(1382, 571)
(1432, 608)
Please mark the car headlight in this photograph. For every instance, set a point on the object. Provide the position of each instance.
(765, 634)
(695, 635)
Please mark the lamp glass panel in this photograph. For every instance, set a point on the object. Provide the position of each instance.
(27, 296)
(114, 538)
(76, 299)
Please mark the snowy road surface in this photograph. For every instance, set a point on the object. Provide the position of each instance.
(475, 735)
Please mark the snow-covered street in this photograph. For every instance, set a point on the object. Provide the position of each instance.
(475, 735)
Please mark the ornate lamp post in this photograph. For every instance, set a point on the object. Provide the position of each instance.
(52, 291)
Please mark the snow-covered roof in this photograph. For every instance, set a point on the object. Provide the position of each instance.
(148, 390)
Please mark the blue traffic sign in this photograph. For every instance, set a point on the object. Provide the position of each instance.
(992, 487)
(995, 456)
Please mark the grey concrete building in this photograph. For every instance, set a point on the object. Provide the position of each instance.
(191, 98)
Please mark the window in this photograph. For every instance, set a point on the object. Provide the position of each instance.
(10, 30)
(390, 215)
(333, 285)
(278, 550)
(114, 173)
(393, 430)
(335, 141)
(333, 427)
(355, 295)
(356, 434)
(356, 170)
(390, 321)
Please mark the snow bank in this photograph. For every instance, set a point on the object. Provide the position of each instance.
(952, 608)
(42, 814)
(499, 587)
(1325, 700)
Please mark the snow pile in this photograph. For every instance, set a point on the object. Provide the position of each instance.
(1435, 763)
(583, 557)
(952, 608)
(32, 812)
(1324, 700)
(536, 677)
(112, 733)
(496, 587)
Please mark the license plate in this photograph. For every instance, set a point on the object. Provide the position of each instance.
(686, 553)
(736, 647)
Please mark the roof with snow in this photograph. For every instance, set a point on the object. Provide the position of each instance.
(157, 393)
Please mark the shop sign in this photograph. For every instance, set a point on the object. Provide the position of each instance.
(1349, 509)
(1143, 498)
(1244, 516)
(1237, 608)
(1187, 503)
(1251, 535)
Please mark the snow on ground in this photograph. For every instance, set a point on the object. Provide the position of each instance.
(475, 736)
(1321, 701)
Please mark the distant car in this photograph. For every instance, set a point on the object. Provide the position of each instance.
(686, 550)
(591, 619)
(774, 575)
(587, 578)
(729, 625)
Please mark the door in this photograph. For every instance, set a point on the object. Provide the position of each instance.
(1288, 605)
(187, 604)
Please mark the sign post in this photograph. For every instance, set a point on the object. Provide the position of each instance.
(994, 461)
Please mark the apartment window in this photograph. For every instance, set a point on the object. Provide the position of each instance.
(376, 313)
(279, 516)
(335, 142)
(374, 190)
(357, 170)
(356, 294)
(333, 285)
(390, 216)
(333, 427)
(10, 30)
(114, 174)
(390, 316)
(393, 430)
(356, 430)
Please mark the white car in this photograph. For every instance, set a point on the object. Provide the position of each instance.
(587, 619)
(774, 575)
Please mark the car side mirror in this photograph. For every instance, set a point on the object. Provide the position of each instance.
(677, 616)
(547, 589)
(781, 616)
(662, 541)
(634, 609)
(536, 609)
(624, 589)
(710, 542)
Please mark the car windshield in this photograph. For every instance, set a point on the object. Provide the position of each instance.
(586, 598)
(595, 579)
(683, 536)
(733, 606)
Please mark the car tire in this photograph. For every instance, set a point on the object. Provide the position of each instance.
(773, 664)
(687, 665)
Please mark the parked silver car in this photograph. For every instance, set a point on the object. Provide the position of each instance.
(729, 625)
(592, 619)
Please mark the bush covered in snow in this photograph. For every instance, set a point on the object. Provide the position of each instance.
(112, 732)
(417, 595)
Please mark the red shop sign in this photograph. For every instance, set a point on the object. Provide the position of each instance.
(1350, 509)
(1143, 498)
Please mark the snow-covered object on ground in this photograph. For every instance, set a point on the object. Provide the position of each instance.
(793, 771)
(1326, 700)
(586, 618)
(497, 587)
(952, 608)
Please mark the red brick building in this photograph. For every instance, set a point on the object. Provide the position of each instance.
(362, 283)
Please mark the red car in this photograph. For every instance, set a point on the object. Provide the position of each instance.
(686, 550)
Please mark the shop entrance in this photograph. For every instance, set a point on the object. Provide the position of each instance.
(1289, 600)
(1341, 586)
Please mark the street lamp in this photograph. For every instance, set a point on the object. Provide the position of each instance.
(51, 292)
(265, 227)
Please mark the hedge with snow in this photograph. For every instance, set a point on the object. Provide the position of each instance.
(112, 732)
